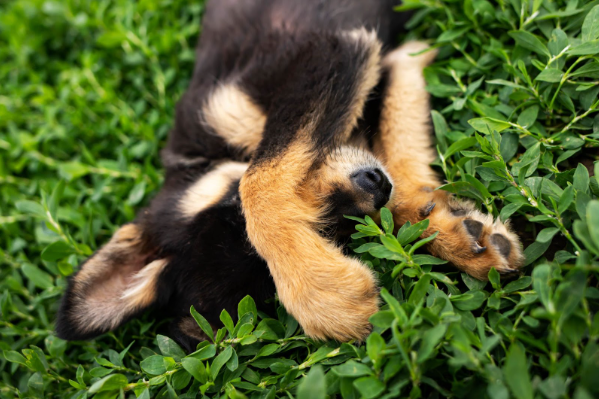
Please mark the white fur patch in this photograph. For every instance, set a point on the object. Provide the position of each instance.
(209, 189)
(234, 117)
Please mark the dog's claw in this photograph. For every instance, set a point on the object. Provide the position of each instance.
(478, 249)
(428, 208)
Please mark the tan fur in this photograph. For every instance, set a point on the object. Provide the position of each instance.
(235, 117)
(371, 72)
(330, 295)
(115, 282)
(128, 236)
(405, 146)
(210, 188)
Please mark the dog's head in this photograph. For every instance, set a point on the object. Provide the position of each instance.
(350, 182)
(190, 248)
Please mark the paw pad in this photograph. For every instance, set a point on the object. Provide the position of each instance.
(474, 228)
(502, 244)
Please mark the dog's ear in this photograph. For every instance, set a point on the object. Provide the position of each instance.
(119, 281)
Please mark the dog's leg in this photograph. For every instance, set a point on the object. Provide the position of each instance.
(331, 295)
(472, 241)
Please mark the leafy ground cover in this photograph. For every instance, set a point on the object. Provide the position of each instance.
(87, 98)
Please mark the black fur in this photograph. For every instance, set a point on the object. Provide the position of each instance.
(288, 57)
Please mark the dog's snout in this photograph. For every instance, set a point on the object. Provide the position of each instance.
(370, 180)
(374, 182)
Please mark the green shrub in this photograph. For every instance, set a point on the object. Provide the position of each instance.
(87, 99)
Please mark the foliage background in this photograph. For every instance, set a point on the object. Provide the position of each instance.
(87, 98)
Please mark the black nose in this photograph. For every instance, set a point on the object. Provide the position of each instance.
(374, 181)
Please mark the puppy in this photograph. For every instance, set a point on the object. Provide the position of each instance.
(274, 141)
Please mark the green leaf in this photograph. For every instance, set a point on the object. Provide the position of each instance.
(203, 323)
(168, 347)
(558, 41)
(387, 220)
(32, 208)
(153, 365)
(268, 350)
(566, 199)
(516, 374)
(15, 357)
(247, 305)
(220, 361)
(581, 231)
(73, 170)
(369, 387)
(459, 146)
(518, 285)
(428, 260)
(593, 221)
(382, 319)
(487, 125)
(546, 235)
(233, 362)
(581, 179)
(463, 188)
(590, 26)
(441, 129)
(419, 290)
(452, 34)
(54, 199)
(225, 317)
(204, 353)
(478, 185)
(530, 42)
(352, 369)
(374, 345)
(508, 211)
(535, 250)
(527, 118)
(112, 382)
(196, 368)
(540, 282)
(36, 384)
(312, 386)
(137, 193)
(412, 232)
(171, 392)
(38, 277)
(588, 70)
(430, 339)
(550, 75)
(494, 278)
(394, 305)
(588, 48)
(471, 300)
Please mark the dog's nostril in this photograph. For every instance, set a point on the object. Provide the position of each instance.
(370, 180)
(375, 176)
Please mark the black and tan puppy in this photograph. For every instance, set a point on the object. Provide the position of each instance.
(273, 143)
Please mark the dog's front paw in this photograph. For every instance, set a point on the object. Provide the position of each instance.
(473, 241)
(338, 307)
